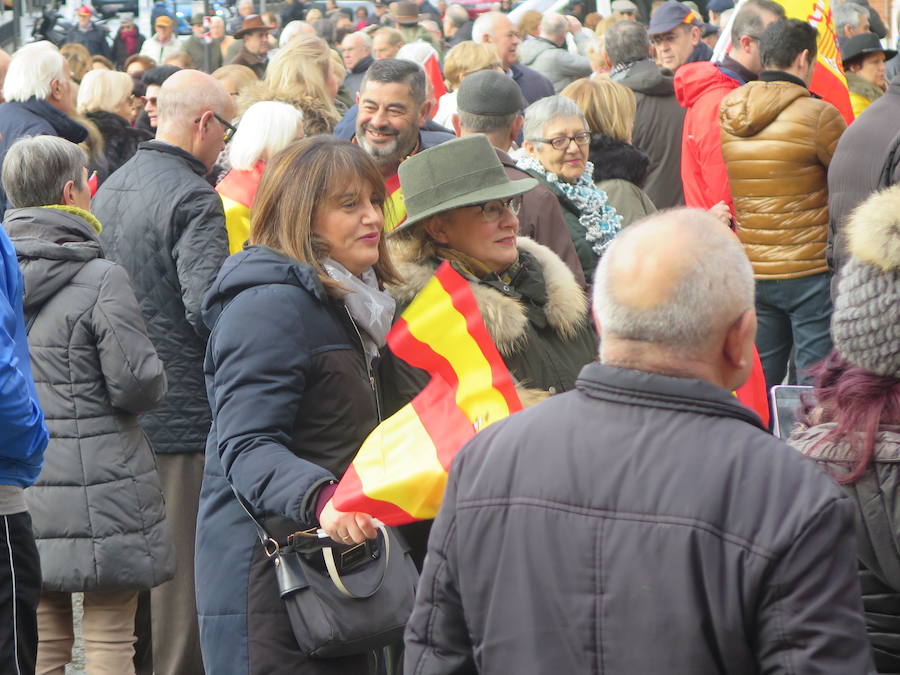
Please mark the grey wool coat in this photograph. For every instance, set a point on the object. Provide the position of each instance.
(97, 509)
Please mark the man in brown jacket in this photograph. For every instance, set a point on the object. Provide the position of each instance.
(490, 103)
(777, 142)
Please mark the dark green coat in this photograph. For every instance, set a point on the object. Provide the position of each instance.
(539, 323)
(583, 247)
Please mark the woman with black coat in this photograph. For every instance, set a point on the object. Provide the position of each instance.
(106, 98)
(297, 320)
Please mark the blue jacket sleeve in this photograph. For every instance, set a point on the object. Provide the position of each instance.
(261, 360)
(23, 435)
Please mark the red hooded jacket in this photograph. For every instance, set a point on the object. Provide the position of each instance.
(700, 87)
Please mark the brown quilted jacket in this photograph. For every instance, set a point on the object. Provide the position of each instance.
(777, 141)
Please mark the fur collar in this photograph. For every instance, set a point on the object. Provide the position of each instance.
(505, 317)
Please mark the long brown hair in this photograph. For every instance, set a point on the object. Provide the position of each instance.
(296, 184)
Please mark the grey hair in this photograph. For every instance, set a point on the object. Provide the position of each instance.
(37, 168)
(554, 26)
(847, 14)
(362, 37)
(543, 111)
(719, 284)
(627, 42)
(32, 70)
(457, 14)
(484, 25)
(398, 71)
(485, 124)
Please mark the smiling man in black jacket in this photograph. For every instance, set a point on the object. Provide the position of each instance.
(645, 522)
(165, 225)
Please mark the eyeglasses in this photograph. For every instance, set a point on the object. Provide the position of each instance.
(230, 129)
(493, 210)
(562, 142)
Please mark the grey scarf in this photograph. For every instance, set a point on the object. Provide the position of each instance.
(371, 308)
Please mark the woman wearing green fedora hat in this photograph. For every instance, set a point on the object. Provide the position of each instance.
(461, 207)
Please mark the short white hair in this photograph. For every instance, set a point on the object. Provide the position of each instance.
(554, 26)
(103, 90)
(293, 29)
(703, 301)
(360, 36)
(32, 70)
(266, 128)
(484, 25)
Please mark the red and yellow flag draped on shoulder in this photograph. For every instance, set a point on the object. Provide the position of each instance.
(400, 472)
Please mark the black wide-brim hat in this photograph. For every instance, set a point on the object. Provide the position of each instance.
(860, 45)
(462, 172)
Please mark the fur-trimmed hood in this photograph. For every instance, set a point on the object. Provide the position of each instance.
(318, 116)
(506, 318)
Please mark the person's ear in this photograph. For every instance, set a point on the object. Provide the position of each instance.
(424, 113)
(696, 35)
(454, 120)
(737, 348)
(746, 44)
(68, 193)
(56, 87)
(437, 229)
(203, 124)
(516, 127)
(357, 99)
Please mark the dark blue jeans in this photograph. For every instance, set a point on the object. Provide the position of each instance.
(793, 315)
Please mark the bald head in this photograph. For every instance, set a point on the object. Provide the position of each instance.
(191, 108)
(188, 93)
(675, 282)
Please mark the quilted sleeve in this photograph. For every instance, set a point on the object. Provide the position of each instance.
(437, 639)
(134, 374)
(200, 248)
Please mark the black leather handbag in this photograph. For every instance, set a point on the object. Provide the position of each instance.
(342, 600)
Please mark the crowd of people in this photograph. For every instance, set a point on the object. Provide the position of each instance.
(207, 239)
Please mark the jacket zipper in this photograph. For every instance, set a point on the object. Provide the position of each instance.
(366, 362)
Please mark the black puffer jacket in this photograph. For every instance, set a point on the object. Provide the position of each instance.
(292, 403)
(97, 508)
(120, 139)
(639, 524)
(165, 225)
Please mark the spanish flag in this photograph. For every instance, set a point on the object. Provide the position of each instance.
(828, 79)
(400, 472)
(394, 206)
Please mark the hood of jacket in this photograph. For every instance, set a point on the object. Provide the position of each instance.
(751, 108)
(52, 245)
(862, 87)
(257, 266)
(613, 158)
(533, 48)
(318, 116)
(504, 316)
(693, 80)
(645, 77)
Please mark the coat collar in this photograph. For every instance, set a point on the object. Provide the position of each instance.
(652, 390)
(168, 149)
(64, 125)
(504, 311)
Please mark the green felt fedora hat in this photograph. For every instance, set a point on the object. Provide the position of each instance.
(461, 172)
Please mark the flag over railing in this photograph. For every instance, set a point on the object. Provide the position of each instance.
(400, 472)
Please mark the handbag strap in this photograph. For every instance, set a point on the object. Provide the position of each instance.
(331, 566)
(268, 540)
